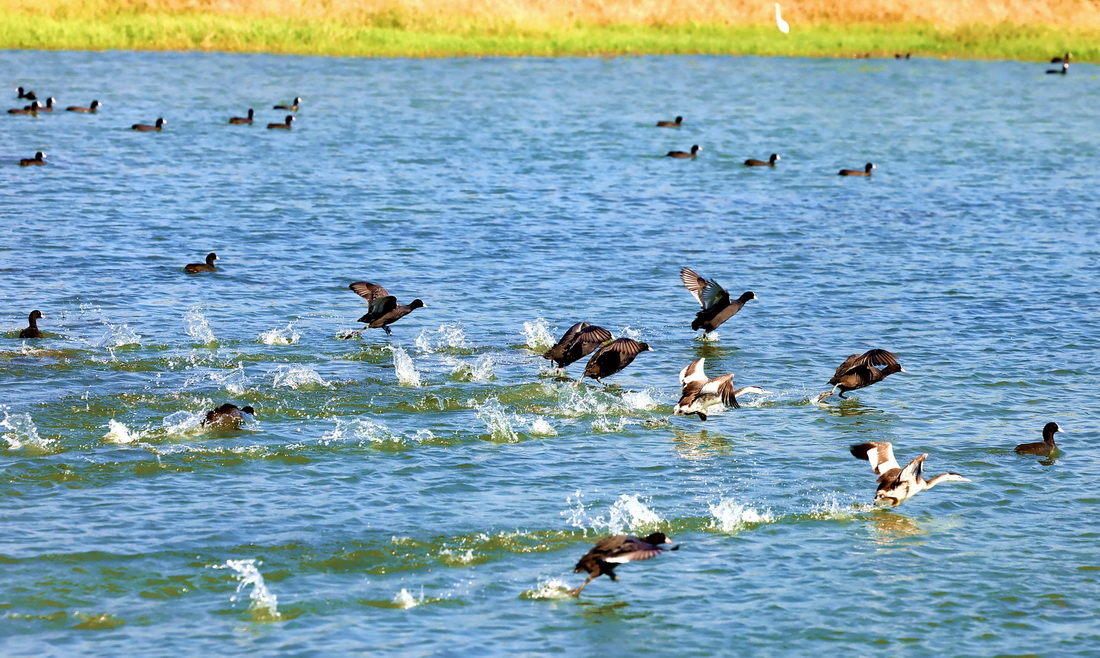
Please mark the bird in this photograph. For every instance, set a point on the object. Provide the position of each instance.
(48, 107)
(282, 126)
(715, 300)
(91, 109)
(612, 551)
(208, 266)
(227, 415)
(783, 25)
(905, 56)
(701, 393)
(31, 109)
(32, 330)
(1042, 448)
(384, 309)
(243, 121)
(1062, 71)
(680, 154)
(293, 107)
(897, 484)
(29, 95)
(671, 124)
(1064, 59)
(770, 162)
(858, 371)
(147, 128)
(613, 357)
(866, 171)
(579, 341)
(39, 159)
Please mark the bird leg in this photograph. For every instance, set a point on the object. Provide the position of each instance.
(842, 395)
(354, 334)
(387, 330)
(577, 592)
(702, 416)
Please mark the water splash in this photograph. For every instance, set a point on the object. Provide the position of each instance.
(537, 336)
(626, 513)
(609, 425)
(540, 427)
(360, 430)
(446, 336)
(641, 400)
(480, 371)
(405, 600)
(497, 421)
(551, 588)
(297, 377)
(198, 328)
(729, 516)
(630, 332)
(264, 606)
(832, 507)
(285, 336)
(407, 374)
(23, 434)
(114, 335)
(119, 433)
(182, 422)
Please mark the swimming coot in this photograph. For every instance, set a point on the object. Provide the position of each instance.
(208, 266)
(32, 330)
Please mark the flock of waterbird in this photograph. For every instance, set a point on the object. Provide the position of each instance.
(700, 394)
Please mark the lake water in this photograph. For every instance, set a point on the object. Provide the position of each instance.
(430, 492)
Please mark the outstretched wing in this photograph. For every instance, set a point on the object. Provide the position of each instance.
(693, 372)
(868, 358)
(592, 337)
(880, 455)
(368, 291)
(914, 468)
(379, 307)
(632, 549)
(694, 283)
(851, 362)
(566, 340)
(723, 388)
(714, 294)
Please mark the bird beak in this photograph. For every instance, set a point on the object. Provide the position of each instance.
(902, 370)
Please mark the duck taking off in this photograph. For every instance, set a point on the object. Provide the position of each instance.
(858, 371)
(715, 300)
(613, 357)
(897, 484)
(612, 551)
(579, 341)
(700, 393)
(227, 415)
(1044, 448)
(384, 309)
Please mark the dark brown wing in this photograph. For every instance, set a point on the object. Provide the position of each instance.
(694, 283)
(849, 363)
(558, 350)
(368, 291)
(631, 549)
(613, 357)
(379, 307)
(723, 388)
(593, 336)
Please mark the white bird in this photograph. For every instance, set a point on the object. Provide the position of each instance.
(783, 26)
(897, 484)
(701, 393)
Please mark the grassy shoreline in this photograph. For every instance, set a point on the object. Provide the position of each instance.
(459, 36)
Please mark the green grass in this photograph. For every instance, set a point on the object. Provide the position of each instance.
(460, 37)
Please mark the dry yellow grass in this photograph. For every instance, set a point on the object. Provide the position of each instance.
(557, 13)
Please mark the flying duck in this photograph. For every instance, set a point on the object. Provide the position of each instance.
(147, 128)
(701, 393)
(613, 357)
(858, 371)
(208, 266)
(282, 126)
(384, 309)
(1042, 448)
(1064, 59)
(866, 171)
(580, 340)
(293, 107)
(227, 415)
(897, 484)
(31, 109)
(29, 95)
(1062, 71)
(91, 109)
(612, 551)
(680, 154)
(770, 162)
(243, 121)
(39, 159)
(671, 124)
(32, 330)
(715, 300)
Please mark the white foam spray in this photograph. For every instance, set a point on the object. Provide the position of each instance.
(284, 336)
(119, 433)
(297, 376)
(23, 434)
(536, 335)
(264, 603)
(198, 328)
(729, 516)
(497, 421)
(446, 336)
(403, 367)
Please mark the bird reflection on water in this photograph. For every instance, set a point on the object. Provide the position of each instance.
(700, 445)
(888, 527)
